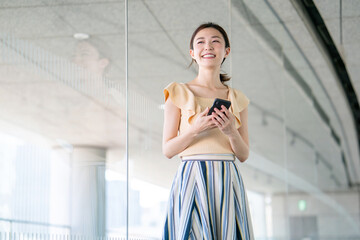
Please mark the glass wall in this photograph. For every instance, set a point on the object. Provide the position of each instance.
(63, 129)
(81, 121)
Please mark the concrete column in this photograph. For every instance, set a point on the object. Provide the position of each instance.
(88, 191)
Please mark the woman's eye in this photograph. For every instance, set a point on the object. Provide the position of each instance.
(216, 41)
(200, 42)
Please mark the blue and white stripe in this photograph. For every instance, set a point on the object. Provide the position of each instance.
(208, 201)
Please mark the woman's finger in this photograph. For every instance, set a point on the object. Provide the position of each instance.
(228, 114)
(225, 110)
(216, 122)
(221, 114)
(218, 118)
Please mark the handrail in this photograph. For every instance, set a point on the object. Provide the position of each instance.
(34, 223)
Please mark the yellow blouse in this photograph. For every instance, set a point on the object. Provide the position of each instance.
(211, 141)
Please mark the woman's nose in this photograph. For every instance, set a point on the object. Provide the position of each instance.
(208, 46)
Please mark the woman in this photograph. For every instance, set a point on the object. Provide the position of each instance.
(207, 198)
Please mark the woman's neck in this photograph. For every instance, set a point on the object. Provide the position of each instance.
(209, 78)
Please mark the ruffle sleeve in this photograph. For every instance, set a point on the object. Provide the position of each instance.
(182, 98)
(238, 103)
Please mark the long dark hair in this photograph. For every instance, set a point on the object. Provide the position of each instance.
(223, 77)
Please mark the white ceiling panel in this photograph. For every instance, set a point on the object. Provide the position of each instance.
(20, 3)
(328, 9)
(352, 55)
(147, 45)
(29, 22)
(297, 30)
(285, 10)
(94, 19)
(354, 72)
(254, 8)
(334, 28)
(350, 8)
(250, 61)
(145, 66)
(180, 15)
(241, 40)
(351, 32)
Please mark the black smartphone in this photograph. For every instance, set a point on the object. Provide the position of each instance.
(217, 104)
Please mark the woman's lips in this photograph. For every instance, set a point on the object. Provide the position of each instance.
(208, 55)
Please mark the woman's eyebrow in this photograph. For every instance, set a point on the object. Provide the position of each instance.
(204, 37)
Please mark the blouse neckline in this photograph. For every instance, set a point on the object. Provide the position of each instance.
(187, 88)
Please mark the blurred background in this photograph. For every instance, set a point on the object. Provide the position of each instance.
(63, 125)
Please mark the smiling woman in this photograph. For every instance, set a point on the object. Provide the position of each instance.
(207, 198)
(219, 38)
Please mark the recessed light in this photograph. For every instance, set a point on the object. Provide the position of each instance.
(81, 36)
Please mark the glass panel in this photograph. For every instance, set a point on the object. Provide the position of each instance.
(62, 118)
(311, 169)
(62, 166)
(257, 71)
(158, 55)
(314, 156)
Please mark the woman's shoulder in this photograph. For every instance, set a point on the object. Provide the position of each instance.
(180, 84)
(239, 98)
(175, 86)
(178, 93)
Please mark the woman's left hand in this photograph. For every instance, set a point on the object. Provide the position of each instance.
(224, 120)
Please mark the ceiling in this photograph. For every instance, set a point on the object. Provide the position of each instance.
(274, 55)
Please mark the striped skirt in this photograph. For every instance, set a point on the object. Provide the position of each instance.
(208, 201)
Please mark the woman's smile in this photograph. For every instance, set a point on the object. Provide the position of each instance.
(208, 56)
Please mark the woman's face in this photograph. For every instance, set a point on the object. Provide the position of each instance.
(209, 48)
(88, 57)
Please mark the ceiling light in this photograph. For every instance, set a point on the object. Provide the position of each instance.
(81, 36)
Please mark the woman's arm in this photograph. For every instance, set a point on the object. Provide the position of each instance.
(239, 138)
(173, 143)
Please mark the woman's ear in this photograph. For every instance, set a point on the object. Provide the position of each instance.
(227, 51)
(191, 53)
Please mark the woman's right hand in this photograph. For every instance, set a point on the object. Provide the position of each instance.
(173, 142)
(203, 122)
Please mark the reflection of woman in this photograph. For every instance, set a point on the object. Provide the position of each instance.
(207, 198)
(89, 56)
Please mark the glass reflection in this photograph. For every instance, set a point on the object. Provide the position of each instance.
(62, 122)
(62, 118)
